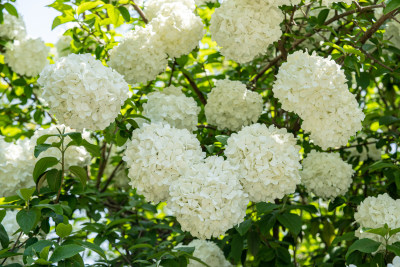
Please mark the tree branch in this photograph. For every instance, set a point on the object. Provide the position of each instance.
(195, 88)
(140, 11)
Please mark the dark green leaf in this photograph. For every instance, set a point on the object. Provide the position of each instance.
(76, 136)
(243, 227)
(93, 247)
(365, 245)
(63, 230)
(263, 207)
(26, 193)
(26, 220)
(44, 138)
(322, 16)
(53, 178)
(92, 149)
(236, 248)
(42, 165)
(125, 13)
(394, 248)
(41, 148)
(391, 5)
(223, 139)
(290, 221)
(4, 240)
(80, 173)
(11, 9)
(65, 252)
(388, 120)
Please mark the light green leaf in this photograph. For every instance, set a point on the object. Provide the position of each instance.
(63, 230)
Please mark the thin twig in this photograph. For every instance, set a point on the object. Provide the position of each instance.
(111, 177)
(140, 11)
(195, 88)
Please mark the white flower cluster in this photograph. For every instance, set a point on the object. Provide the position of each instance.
(209, 199)
(204, 2)
(178, 28)
(268, 161)
(158, 155)
(173, 107)
(315, 88)
(140, 56)
(330, 2)
(83, 93)
(245, 28)
(374, 212)
(10, 224)
(153, 7)
(392, 32)
(395, 262)
(16, 166)
(230, 105)
(368, 151)
(63, 46)
(12, 27)
(208, 252)
(27, 56)
(74, 155)
(326, 174)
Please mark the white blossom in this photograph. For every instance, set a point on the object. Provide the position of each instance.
(395, 262)
(326, 174)
(178, 29)
(63, 46)
(16, 166)
(375, 212)
(157, 155)
(140, 56)
(208, 199)
(368, 151)
(173, 107)
(245, 28)
(230, 105)
(83, 93)
(315, 88)
(12, 27)
(74, 155)
(392, 32)
(153, 7)
(208, 252)
(27, 56)
(268, 161)
(330, 2)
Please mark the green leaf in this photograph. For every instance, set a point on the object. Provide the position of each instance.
(26, 219)
(80, 173)
(382, 231)
(42, 165)
(125, 13)
(37, 247)
(236, 248)
(345, 237)
(337, 202)
(94, 248)
(365, 245)
(11, 9)
(61, 20)
(391, 5)
(76, 136)
(394, 248)
(88, 5)
(53, 178)
(92, 149)
(223, 139)
(388, 120)
(4, 240)
(2, 215)
(243, 227)
(290, 221)
(56, 207)
(394, 231)
(40, 148)
(65, 252)
(322, 16)
(26, 193)
(63, 230)
(44, 138)
(263, 207)
(253, 242)
(44, 253)
(380, 165)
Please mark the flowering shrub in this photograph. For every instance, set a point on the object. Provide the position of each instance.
(201, 133)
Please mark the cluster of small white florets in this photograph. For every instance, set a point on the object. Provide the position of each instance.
(315, 88)
(27, 56)
(153, 7)
(158, 155)
(82, 92)
(63, 46)
(392, 32)
(208, 199)
(268, 160)
(140, 56)
(16, 166)
(326, 174)
(368, 151)
(74, 155)
(245, 28)
(208, 252)
(12, 27)
(375, 212)
(395, 262)
(231, 106)
(173, 107)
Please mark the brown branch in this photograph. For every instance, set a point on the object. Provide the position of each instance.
(112, 175)
(195, 88)
(376, 26)
(376, 60)
(140, 11)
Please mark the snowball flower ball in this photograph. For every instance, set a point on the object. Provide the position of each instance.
(173, 107)
(230, 105)
(153, 7)
(63, 46)
(368, 151)
(315, 88)
(395, 262)
(83, 93)
(268, 161)
(16, 166)
(178, 28)
(208, 252)
(27, 57)
(208, 200)
(326, 174)
(12, 27)
(245, 28)
(157, 155)
(74, 155)
(374, 212)
(140, 56)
